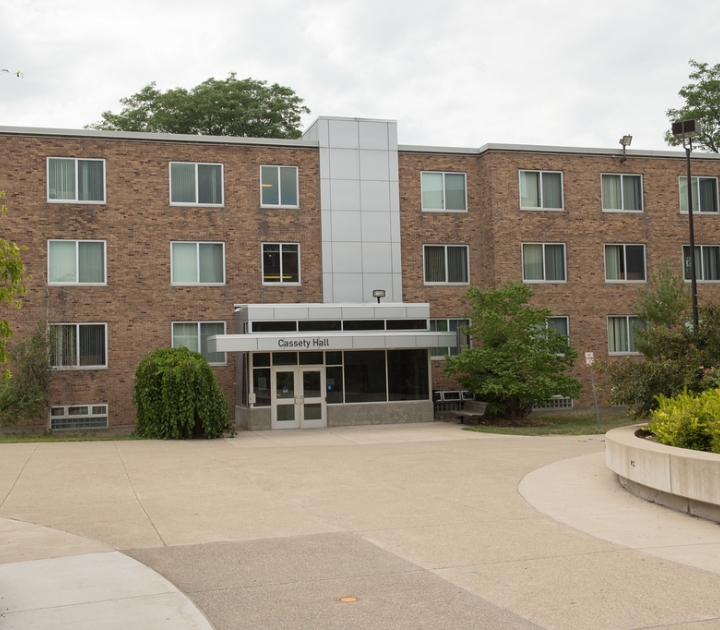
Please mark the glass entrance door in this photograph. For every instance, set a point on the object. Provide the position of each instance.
(298, 398)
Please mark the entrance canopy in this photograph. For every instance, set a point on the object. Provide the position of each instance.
(316, 327)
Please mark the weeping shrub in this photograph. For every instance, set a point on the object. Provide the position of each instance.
(178, 397)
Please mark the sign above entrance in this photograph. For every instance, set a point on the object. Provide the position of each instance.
(375, 340)
(317, 343)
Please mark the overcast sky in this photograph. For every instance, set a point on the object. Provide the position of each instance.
(452, 73)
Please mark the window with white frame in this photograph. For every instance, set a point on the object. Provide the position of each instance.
(196, 184)
(541, 190)
(707, 263)
(76, 262)
(79, 417)
(198, 263)
(281, 263)
(194, 336)
(625, 263)
(704, 192)
(279, 186)
(450, 325)
(446, 264)
(543, 262)
(622, 193)
(622, 330)
(78, 345)
(444, 191)
(560, 324)
(76, 180)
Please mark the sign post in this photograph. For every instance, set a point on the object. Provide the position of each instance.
(590, 359)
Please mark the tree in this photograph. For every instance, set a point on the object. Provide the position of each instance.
(24, 397)
(178, 397)
(12, 283)
(231, 107)
(515, 360)
(675, 358)
(702, 103)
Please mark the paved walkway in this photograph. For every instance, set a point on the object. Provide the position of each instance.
(420, 526)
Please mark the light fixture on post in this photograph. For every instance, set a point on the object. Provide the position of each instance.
(687, 130)
(625, 142)
(378, 293)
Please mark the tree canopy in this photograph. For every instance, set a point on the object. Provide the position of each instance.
(230, 107)
(516, 360)
(676, 358)
(12, 282)
(702, 103)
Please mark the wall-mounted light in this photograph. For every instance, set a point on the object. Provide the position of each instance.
(378, 293)
(625, 142)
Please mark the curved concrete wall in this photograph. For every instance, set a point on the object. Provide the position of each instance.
(681, 479)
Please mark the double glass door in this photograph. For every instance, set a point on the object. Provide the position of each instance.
(298, 398)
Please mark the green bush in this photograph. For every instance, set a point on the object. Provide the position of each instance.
(688, 421)
(178, 397)
(24, 397)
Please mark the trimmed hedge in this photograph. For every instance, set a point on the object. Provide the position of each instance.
(178, 397)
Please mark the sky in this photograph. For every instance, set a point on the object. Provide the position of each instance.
(455, 73)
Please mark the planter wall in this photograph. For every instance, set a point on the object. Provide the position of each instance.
(681, 479)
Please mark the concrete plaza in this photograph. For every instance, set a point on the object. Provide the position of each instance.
(419, 526)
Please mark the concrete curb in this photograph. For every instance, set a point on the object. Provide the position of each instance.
(678, 478)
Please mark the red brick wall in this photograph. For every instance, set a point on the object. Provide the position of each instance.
(495, 227)
(139, 304)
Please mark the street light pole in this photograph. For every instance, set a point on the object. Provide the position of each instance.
(688, 129)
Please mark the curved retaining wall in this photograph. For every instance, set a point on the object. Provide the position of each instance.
(681, 479)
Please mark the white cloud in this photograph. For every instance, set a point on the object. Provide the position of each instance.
(457, 74)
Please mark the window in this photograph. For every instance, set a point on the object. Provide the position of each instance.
(198, 263)
(449, 325)
(365, 376)
(446, 264)
(622, 192)
(625, 263)
(281, 263)
(194, 336)
(704, 191)
(707, 262)
(443, 191)
(196, 184)
(79, 417)
(621, 334)
(559, 324)
(279, 186)
(76, 262)
(541, 190)
(78, 345)
(543, 262)
(76, 180)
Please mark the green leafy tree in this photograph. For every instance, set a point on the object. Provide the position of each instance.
(230, 107)
(178, 397)
(702, 103)
(515, 360)
(662, 308)
(12, 284)
(24, 395)
(675, 359)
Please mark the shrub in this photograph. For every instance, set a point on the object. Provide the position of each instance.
(178, 397)
(24, 394)
(688, 421)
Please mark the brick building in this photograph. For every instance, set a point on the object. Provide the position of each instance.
(264, 254)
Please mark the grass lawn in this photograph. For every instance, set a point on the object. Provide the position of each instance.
(560, 424)
(19, 438)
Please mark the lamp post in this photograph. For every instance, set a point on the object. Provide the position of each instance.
(687, 130)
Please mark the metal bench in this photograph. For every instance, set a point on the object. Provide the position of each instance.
(472, 411)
